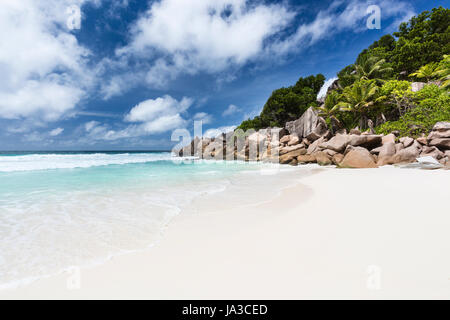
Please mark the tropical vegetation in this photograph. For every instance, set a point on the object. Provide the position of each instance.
(378, 88)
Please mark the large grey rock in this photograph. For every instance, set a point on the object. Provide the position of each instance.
(432, 152)
(442, 144)
(307, 158)
(417, 86)
(322, 158)
(213, 149)
(387, 151)
(422, 140)
(337, 158)
(441, 126)
(406, 155)
(358, 158)
(313, 147)
(388, 138)
(337, 143)
(294, 140)
(438, 135)
(407, 141)
(368, 141)
(191, 149)
(288, 149)
(309, 122)
(288, 157)
(398, 147)
(285, 139)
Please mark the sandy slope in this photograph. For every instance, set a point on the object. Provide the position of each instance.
(379, 233)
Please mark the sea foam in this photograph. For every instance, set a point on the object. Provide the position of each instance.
(70, 161)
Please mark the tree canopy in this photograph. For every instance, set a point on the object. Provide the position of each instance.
(287, 104)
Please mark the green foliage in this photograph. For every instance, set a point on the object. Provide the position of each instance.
(431, 105)
(372, 67)
(347, 76)
(442, 72)
(287, 104)
(330, 107)
(422, 40)
(368, 66)
(395, 98)
(358, 99)
(426, 72)
(254, 123)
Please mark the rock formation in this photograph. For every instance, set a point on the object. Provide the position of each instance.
(307, 140)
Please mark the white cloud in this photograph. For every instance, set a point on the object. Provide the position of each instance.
(338, 17)
(150, 109)
(203, 117)
(88, 126)
(160, 114)
(202, 35)
(41, 63)
(232, 109)
(213, 133)
(220, 36)
(56, 132)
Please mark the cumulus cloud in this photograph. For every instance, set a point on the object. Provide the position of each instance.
(204, 117)
(150, 109)
(160, 114)
(41, 63)
(213, 133)
(202, 35)
(56, 132)
(220, 36)
(232, 109)
(340, 16)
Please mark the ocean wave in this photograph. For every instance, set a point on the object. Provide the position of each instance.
(35, 162)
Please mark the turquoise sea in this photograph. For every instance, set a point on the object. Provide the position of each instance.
(59, 210)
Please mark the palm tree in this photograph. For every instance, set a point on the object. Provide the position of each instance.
(427, 72)
(330, 107)
(371, 67)
(443, 71)
(358, 99)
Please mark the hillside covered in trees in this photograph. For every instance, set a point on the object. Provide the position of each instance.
(376, 91)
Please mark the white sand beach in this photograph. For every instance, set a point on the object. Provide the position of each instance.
(370, 234)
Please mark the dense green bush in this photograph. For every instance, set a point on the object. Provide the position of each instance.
(422, 40)
(431, 105)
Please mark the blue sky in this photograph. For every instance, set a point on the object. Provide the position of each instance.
(136, 70)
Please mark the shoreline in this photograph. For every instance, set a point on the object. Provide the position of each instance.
(201, 199)
(315, 240)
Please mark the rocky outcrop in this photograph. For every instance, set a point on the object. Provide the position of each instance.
(338, 143)
(440, 136)
(354, 150)
(309, 123)
(289, 149)
(288, 157)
